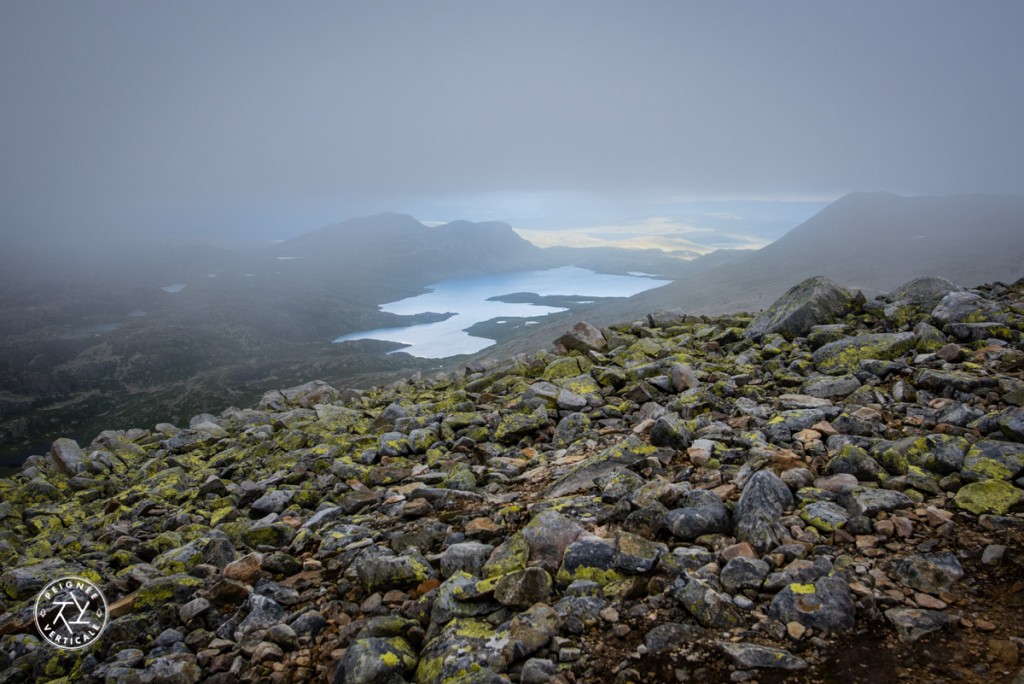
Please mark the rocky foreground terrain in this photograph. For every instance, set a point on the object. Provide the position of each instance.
(830, 491)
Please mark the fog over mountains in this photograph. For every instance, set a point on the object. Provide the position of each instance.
(109, 347)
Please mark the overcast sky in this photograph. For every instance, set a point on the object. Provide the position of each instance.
(272, 118)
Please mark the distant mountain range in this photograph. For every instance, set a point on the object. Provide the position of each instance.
(107, 345)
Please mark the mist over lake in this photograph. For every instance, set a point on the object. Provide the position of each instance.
(472, 300)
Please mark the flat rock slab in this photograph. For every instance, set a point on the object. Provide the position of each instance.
(627, 452)
(927, 572)
(844, 356)
(870, 502)
(753, 657)
(913, 623)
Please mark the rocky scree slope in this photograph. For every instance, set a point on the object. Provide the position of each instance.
(679, 498)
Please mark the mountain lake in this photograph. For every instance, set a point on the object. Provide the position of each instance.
(470, 301)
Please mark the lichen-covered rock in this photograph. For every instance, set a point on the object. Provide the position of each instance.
(375, 659)
(993, 460)
(988, 496)
(589, 558)
(963, 307)
(853, 460)
(516, 426)
(582, 476)
(465, 645)
(571, 429)
(923, 293)
(385, 572)
(815, 301)
(523, 588)
(845, 355)
(708, 607)
(480, 516)
(825, 516)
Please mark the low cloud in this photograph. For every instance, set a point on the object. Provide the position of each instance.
(657, 232)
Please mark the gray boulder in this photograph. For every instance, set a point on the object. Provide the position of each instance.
(815, 301)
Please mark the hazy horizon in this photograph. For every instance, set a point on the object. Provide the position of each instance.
(663, 124)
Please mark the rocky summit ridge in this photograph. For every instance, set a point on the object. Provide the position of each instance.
(832, 486)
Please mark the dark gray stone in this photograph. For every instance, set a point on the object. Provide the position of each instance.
(743, 573)
(466, 557)
(273, 501)
(825, 605)
(929, 572)
(670, 431)
(262, 613)
(671, 635)
(708, 607)
(702, 512)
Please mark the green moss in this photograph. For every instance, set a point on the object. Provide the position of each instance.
(797, 588)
